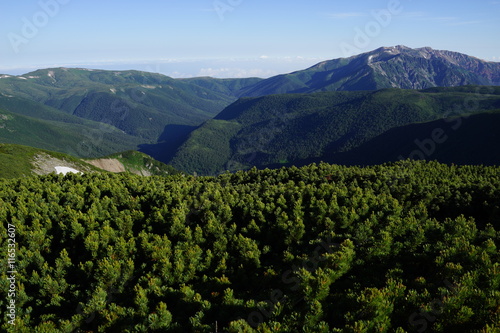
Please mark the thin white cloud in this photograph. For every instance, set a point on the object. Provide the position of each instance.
(453, 24)
(346, 15)
(179, 75)
(443, 19)
(413, 15)
(423, 16)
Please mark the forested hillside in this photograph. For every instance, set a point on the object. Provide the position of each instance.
(404, 247)
(290, 128)
(461, 140)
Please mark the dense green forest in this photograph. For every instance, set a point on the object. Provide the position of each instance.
(402, 247)
(290, 128)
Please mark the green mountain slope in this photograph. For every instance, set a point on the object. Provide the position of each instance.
(386, 67)
(93, 113)
(18, 161)
(288, 128)
(231, 87)
(35, 125)
(140, 105)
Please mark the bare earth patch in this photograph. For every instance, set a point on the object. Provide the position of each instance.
(108, 164)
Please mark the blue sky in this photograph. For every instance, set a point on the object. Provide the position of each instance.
(233, 38)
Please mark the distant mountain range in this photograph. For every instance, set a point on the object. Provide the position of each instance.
(386, 67)
(208, 125)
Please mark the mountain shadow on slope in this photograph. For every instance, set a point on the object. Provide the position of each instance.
(170, 140)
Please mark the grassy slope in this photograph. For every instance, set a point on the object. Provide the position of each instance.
(16, 160)
(207, 151)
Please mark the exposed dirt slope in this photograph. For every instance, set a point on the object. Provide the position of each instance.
(108, 164)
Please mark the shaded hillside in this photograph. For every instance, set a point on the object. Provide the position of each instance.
(230, 87)
(289, 128)
(386, 67)
(472, 139)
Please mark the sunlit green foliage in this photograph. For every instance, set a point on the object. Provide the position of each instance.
(403, 247)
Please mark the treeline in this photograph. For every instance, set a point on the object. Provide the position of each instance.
(404, 247)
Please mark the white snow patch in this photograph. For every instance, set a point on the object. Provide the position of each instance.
(22, 78)
(4, 76)
(113, 90)
(33, 77)
(65, 170)
(148, 86)
(51, 74)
